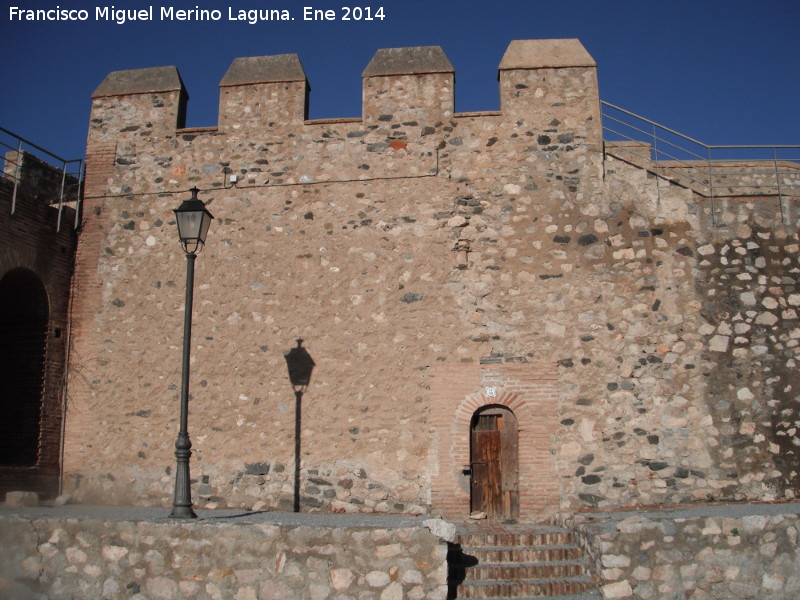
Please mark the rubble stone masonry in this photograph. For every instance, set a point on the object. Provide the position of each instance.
(61, 558)
(409, 249)
(707, 552)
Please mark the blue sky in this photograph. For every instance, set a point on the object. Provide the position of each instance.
(722, 72)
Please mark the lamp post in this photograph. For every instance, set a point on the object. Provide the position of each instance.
(193, 220)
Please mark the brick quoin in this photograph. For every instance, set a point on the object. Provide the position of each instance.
(100, 157)
(530, 392)
(86, 281)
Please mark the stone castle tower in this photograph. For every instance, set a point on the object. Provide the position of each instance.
(504, 312)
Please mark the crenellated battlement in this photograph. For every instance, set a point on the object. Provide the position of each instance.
(538, 79)
(408, 128)
(133, 98)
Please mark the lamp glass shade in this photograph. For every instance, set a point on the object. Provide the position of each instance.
(193, 221)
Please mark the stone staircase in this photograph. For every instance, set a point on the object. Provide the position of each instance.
(519, 563)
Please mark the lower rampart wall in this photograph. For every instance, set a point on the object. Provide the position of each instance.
(207, 559)
(714, 552)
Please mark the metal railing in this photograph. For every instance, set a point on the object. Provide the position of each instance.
(711, 171)
(61, 178)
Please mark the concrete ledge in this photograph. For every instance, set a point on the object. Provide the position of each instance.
(22, 499)
(140, 81)
(161, 514)
(543, 54)
(416, 60)
(264, 69)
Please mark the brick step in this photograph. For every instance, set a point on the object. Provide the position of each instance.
(551, 537)
(525, 588)
(545, 562)
(587, 595)
(535, 570)
(521, 554)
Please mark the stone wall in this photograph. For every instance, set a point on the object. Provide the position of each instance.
(41, 182)
(402, 247)
(69, 558)
(732, 552)
(749, 177)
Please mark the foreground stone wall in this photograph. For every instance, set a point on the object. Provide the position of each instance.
(741, 552)
(406, 248)
(87, 558)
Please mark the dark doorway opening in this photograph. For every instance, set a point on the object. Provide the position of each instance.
(494, 463)
(24, 314)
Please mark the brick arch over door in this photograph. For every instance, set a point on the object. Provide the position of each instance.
(530, 392)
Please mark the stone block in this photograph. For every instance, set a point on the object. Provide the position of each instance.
(19, 499)
(620, 589)
(441, 529)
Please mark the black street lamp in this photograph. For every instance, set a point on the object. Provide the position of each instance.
(193, 220)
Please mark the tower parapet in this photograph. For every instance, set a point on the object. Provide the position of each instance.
(149, 101)
(552, 80)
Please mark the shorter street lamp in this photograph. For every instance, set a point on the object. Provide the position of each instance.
(193, 220)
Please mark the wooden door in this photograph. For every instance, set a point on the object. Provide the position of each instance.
(494, 464)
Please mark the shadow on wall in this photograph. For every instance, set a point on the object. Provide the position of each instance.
(300, 365)
(458, 562)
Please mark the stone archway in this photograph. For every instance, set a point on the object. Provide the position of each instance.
(24, 316)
